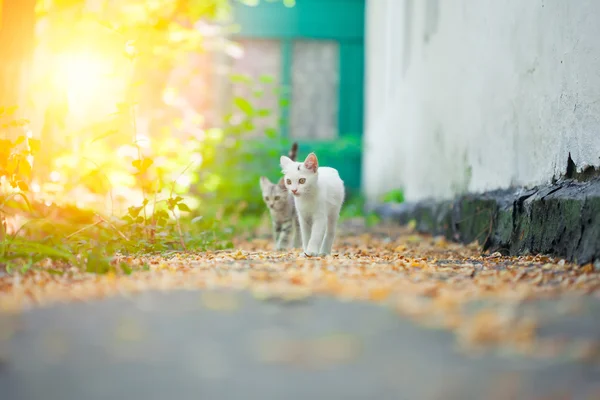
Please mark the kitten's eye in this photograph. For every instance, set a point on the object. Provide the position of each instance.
(266, 198)
(276, 198)
(302, 180)
(288, 181)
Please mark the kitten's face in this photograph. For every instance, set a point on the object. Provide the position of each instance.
(300, 177)
(274, 195)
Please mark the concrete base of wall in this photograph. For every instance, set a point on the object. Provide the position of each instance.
(561, 219)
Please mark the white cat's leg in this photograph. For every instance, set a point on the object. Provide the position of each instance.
(297, 234)
(329, 234)
(316, 236)
(305, 228)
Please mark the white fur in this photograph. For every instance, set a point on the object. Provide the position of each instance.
(318, 201)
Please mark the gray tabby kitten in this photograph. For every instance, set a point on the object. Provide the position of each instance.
(283, 212)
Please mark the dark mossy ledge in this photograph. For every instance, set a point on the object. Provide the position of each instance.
(560, 219)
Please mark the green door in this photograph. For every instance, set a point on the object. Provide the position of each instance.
(315, 51)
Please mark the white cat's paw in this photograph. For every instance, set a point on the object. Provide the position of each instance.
(311, 254)
(324, 254)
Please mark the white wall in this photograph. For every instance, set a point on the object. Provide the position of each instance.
(475, 95)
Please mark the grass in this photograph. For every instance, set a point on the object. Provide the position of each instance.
(354, 207)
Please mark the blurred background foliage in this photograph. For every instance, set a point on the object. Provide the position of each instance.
(119, 133)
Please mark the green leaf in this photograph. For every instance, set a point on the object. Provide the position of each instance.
(126, 268)
(12, 196)
(23, 186)
(10, 110)
(271, 133)
(266, 79)
(24, 167)
(106, 134)
(183, 207)
(29, 248)
(34, 145)
(239, 78)
(97, 263)
(243, 105)
(263, 112)
(143, 164)
(248, 126)
(394, 196)
(134, 211)
(54, 271)
(161, 214)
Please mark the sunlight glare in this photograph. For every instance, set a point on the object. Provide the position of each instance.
(55, 176)
(130, 49)
(184, 180)
(196, 158)
(170, 96)
(142, 141)
(83, 75)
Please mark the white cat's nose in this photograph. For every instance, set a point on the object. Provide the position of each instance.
(294, 191)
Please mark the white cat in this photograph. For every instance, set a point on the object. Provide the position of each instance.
(318, 196)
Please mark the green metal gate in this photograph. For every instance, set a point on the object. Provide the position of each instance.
(315, 49)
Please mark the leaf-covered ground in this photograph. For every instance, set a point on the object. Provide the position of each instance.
(391, 315)
(488, 301)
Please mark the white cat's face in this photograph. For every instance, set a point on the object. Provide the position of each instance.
(300, 178)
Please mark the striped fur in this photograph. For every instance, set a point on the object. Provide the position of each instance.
(286, 229)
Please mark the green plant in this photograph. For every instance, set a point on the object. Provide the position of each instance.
(236, 155)
(355, 208)
(162, 218)
(394, 196)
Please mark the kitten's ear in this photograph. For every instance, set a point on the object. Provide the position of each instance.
(264, 182)
(285, 162)
(311, 163)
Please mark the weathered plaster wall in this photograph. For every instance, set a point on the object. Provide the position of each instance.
(476, 95)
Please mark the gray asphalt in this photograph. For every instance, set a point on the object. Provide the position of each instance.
(172, 345)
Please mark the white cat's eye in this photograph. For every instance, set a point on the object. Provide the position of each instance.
(276, 198)
(288, 181)
(267, 198)
(302, 180)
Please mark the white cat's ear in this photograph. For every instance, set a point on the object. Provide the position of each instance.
(281, 184)
(264, 182)
(285, 162)
(311, 163)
